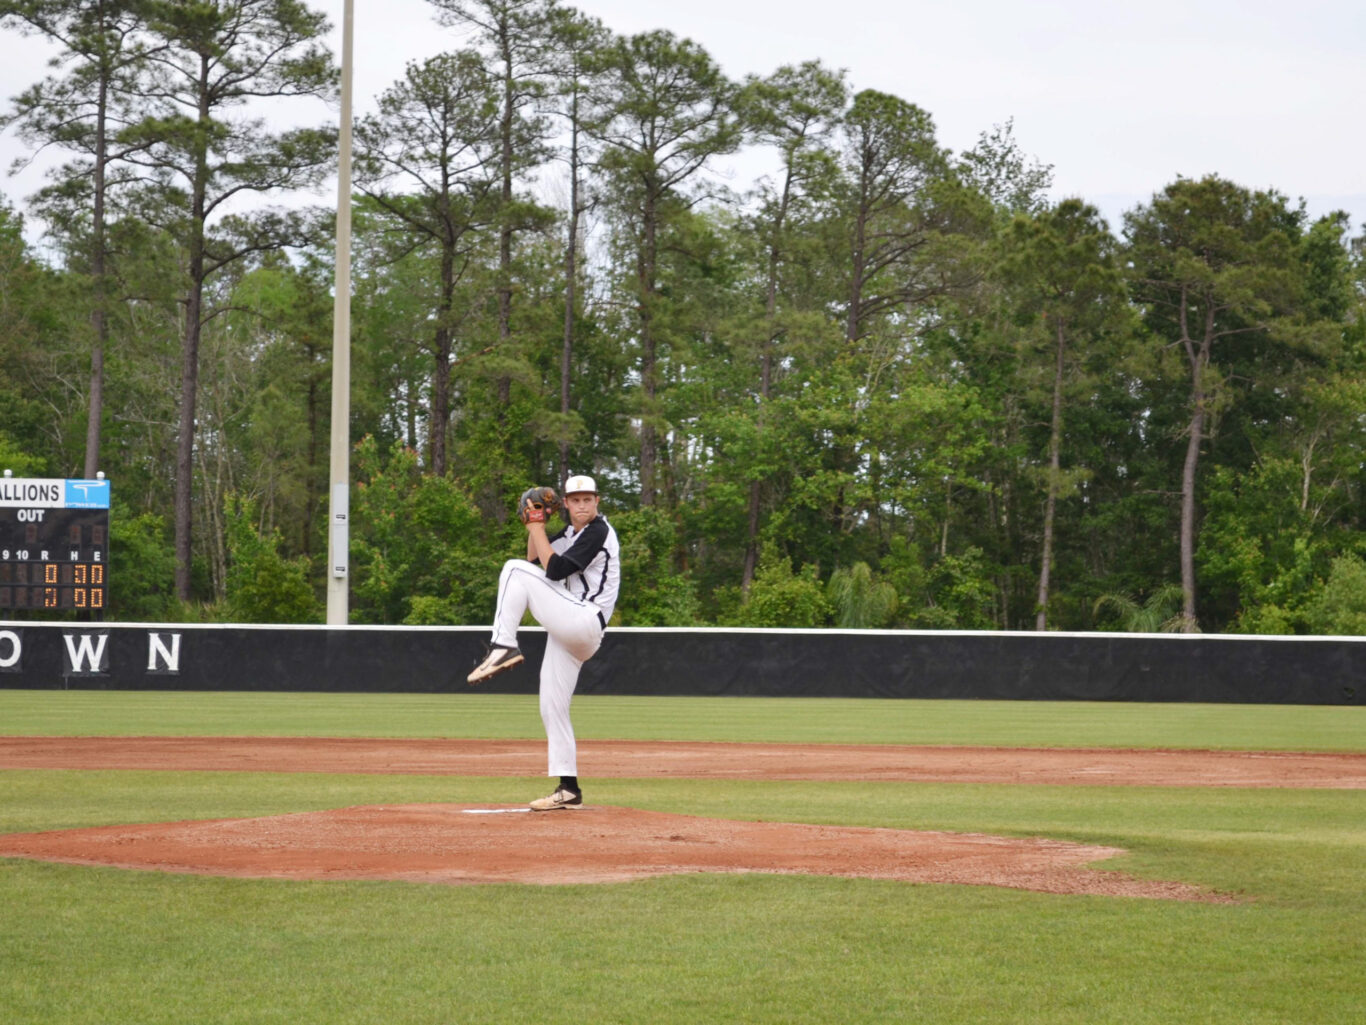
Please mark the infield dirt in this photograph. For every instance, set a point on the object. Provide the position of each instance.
(439, 843)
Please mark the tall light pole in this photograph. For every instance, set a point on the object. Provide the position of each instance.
(339, 519)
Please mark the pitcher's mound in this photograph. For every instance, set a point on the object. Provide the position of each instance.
(443, 843)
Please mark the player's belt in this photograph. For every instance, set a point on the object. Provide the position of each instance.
(601, 620)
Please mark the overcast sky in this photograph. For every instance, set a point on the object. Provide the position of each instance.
(1119, 98)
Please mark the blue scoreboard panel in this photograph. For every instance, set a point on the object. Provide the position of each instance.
(54, 544)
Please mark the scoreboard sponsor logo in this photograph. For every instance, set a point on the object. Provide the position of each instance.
(86, 494)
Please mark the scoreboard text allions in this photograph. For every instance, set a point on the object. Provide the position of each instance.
(54, 543)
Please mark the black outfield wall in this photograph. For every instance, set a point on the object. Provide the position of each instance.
(644, 661)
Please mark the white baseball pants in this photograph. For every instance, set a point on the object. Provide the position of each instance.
(573, 633)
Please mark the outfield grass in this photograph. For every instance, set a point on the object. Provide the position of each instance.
(771, 720)
(82, 945)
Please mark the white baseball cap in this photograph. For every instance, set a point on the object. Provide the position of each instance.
(579, 483)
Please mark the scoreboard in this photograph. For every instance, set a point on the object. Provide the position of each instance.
(54, 544)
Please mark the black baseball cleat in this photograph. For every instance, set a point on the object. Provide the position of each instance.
(494, 663)
(561, 798)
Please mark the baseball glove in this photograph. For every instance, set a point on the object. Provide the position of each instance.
(537, 505)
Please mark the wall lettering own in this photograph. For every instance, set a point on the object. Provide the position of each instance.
(86, 652)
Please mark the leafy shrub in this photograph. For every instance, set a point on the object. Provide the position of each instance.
(420, 551)
(1160, 612)
(1340, 607)
(13, 457)
(860, 601)
(781, 598)
(262, 585)
(653, 591)
(141, 567)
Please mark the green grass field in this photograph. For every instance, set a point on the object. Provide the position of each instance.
(82, 945)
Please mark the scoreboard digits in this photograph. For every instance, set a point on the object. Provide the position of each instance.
(54, 544)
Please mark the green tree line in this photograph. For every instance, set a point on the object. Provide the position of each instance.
(884, 385)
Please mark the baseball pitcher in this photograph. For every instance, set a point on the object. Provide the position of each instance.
(569, 582)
